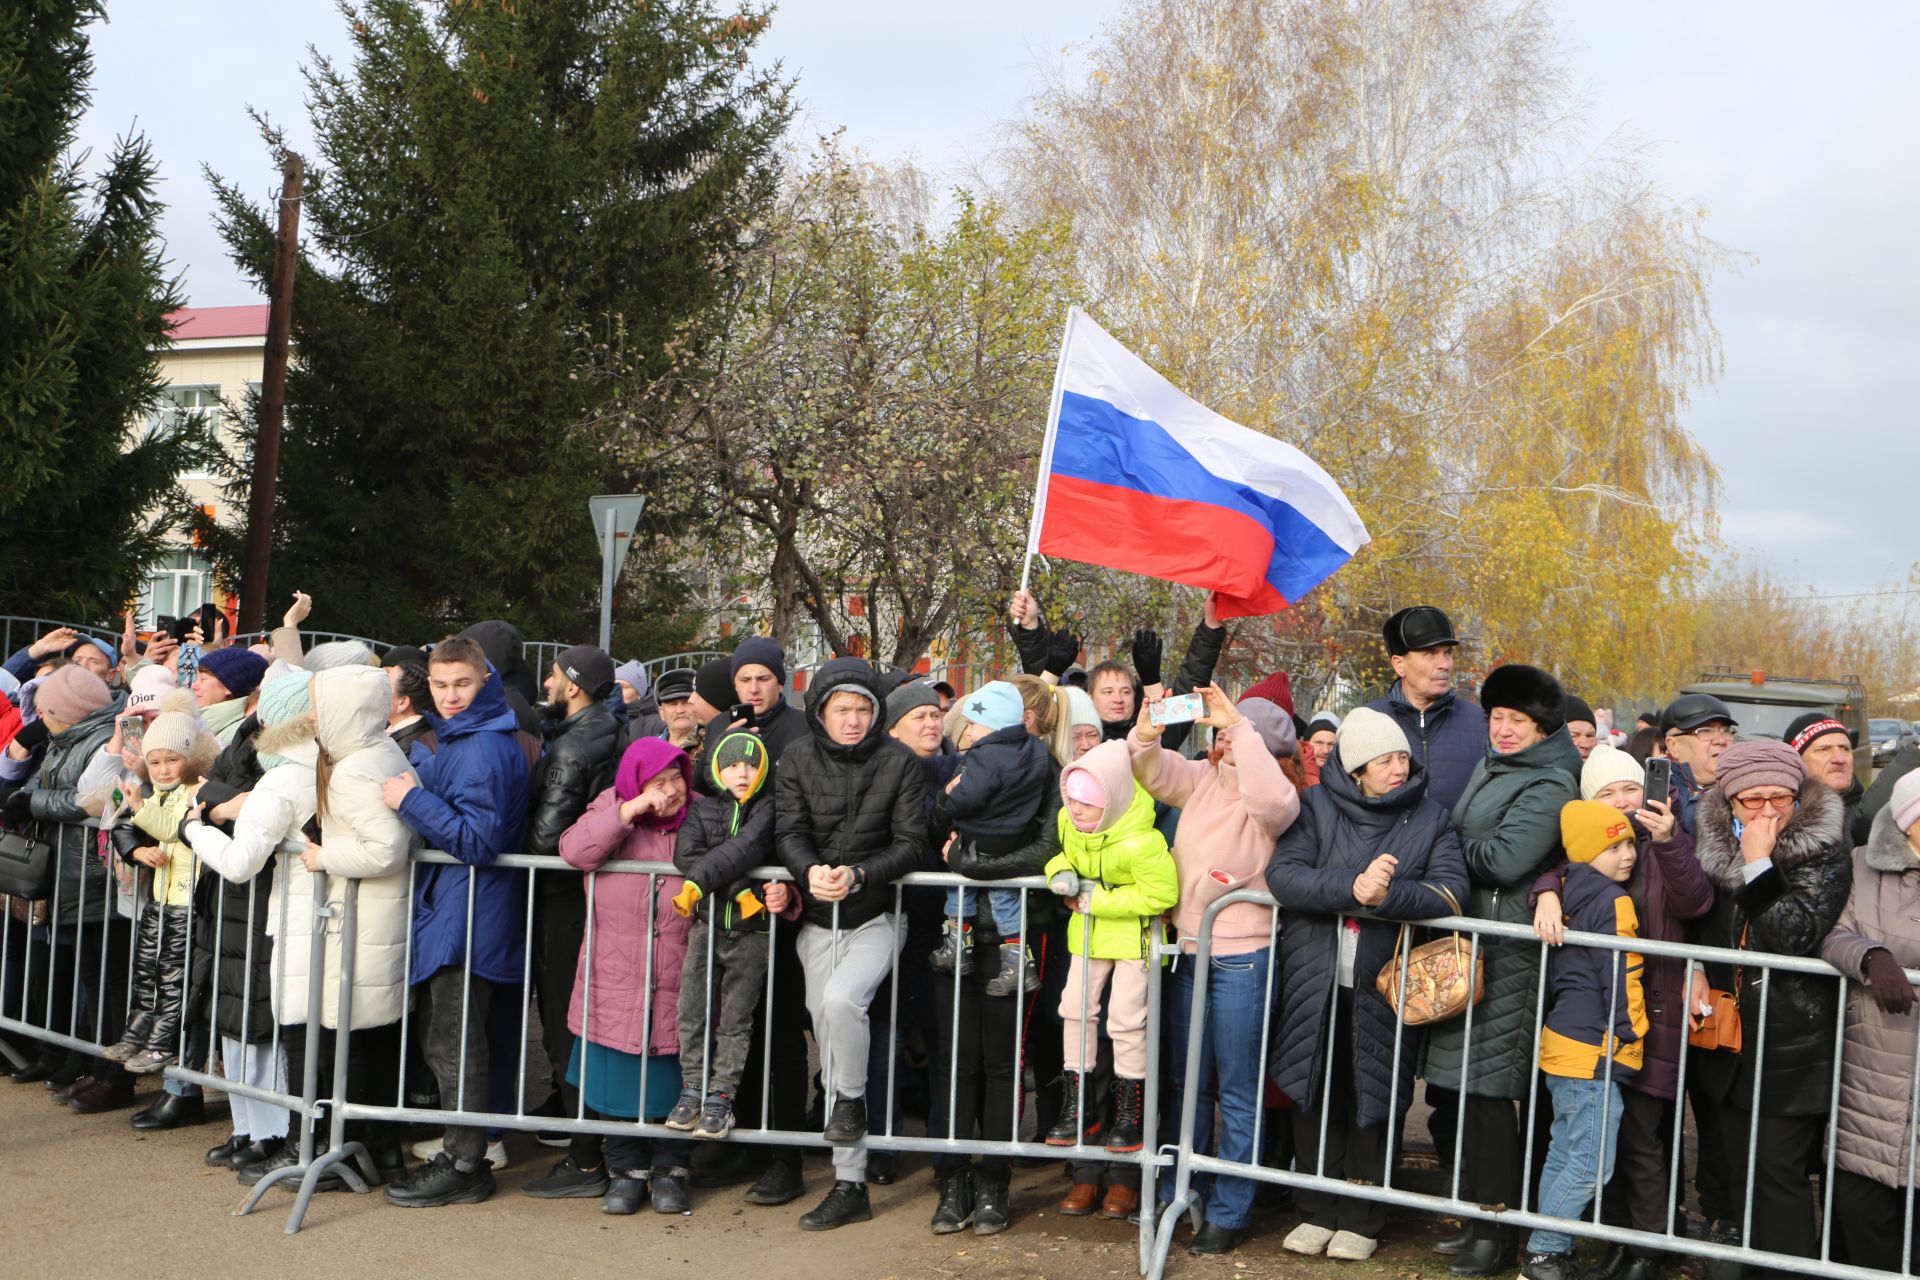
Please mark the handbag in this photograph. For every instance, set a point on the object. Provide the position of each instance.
(1720, 1027)
(26, 866)
(1439, 985)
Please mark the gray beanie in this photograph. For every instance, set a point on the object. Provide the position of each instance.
(1273, 724)
(339, 653)
(913, 693)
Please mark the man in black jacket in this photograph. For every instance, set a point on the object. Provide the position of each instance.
(849, 819)
(578, 765)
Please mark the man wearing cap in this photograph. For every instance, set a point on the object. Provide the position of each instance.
(1582, 726)
(1826, 749)
(1696, 729)
(1448, 733)
(674, 693)
(577, 766)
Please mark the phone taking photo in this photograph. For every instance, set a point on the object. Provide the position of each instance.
(1179, 708)
(1659, 781)
(132, 730)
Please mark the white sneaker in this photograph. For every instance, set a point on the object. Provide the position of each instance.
(1308, 1239)
(1351, 1246)
(496, 1151)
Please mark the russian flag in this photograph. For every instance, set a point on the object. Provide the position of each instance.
(1136, 476)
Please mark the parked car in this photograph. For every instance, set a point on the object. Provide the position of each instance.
(1888, 736)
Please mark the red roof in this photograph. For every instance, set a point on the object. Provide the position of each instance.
(219, 322)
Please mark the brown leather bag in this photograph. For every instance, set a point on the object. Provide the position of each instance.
(1721, 1028)
(1438, 984)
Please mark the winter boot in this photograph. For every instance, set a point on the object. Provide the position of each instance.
(1066, 1130)
(1129, 1097)
(1008, 980)
(955, 949)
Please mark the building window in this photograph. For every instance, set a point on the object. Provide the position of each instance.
(180, 583)
(177, 404)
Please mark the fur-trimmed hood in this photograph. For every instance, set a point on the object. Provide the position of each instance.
(1815, 831)
(289, 740)
(1887, 848)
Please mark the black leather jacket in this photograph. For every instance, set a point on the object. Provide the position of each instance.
(577, 766)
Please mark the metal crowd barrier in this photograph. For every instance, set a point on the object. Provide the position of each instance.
(1187, 1162)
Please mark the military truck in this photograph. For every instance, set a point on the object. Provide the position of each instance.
(1766, 704)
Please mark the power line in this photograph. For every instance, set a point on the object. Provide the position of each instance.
(1848, 595)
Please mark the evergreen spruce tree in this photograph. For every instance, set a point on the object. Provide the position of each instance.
(503, 193)
(87, 496)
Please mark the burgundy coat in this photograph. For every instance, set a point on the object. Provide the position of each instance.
(1671, 888)
(628, 921)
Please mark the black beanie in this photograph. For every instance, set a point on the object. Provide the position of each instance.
(759, 651)
(1530, 691)
(1574, 707)
(714, 683)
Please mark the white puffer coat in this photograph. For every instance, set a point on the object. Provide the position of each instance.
(362, 839)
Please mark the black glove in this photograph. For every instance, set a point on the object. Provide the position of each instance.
(19, 807)
(31, 736)
(1890, 988)
(1063, 651)
(1146, 655)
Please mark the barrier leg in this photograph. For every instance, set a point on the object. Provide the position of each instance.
(340, 1153)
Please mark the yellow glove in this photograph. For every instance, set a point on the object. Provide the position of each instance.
(750, 904)
(685, 900)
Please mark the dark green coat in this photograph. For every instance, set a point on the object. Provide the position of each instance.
(1509, 824)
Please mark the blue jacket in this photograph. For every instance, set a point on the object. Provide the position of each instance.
(1002, 790)
(471, 803)
(1449, 738)
(1598, 1001)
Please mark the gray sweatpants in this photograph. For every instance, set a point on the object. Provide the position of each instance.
(841, 981)
(740, 969)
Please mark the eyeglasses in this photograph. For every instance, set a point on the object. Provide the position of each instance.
(1754, 804)
(1717, 732)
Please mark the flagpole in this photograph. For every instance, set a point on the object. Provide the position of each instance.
(1046, 451)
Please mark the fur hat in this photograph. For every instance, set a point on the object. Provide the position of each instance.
(1905, 801)
(71, 694)
(1589, 828)
(1366, 735)
(1607, 764)
(238, 669)
(178, 729)
(1274, 724)
(1530, 691)
(1758, 762)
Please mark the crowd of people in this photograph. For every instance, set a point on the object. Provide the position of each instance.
(230, 787)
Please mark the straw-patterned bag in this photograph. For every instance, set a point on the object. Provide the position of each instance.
(1438, 986)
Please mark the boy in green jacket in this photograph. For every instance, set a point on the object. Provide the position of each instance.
(1117, 876)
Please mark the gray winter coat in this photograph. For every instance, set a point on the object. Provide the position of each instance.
(1876, 1064)
(1509, 825)
(81, 883)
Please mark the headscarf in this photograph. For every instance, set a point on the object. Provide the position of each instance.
(645, 758)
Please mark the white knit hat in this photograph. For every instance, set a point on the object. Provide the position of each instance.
(1366, 735)
(1606, 765)
(1905, 801)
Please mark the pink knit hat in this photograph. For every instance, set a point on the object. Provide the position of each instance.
(71, 694)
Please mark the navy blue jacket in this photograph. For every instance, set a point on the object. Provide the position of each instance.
(1340, 831)
(1590, 987)
(1449, 738)
(471, 803)
(1002, 789)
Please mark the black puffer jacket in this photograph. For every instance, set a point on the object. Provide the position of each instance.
(577, 766)
(1788, 910)
(81, 884)
(717, 845)
(1338, 833)
(849, 805)
(226, 965)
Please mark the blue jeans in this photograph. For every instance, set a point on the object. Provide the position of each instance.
(1237, 1010)
(1583, 1145)
(1002, 904)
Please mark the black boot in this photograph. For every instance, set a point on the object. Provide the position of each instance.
(780, 1184)
(955, 1210)
(670, 1191)
(847, 1202)
(1457, 1243)
(1129, 1100)
(1066, 1130)
(1490, 1254)
(442, 1182)
(992, 1207)
(848, 1122)
(170, 1111)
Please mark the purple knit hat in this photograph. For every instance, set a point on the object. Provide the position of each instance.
(1759, 762)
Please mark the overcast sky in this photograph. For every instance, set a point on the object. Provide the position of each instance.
(1796, 133)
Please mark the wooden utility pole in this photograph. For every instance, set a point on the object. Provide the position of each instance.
(273, 402)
